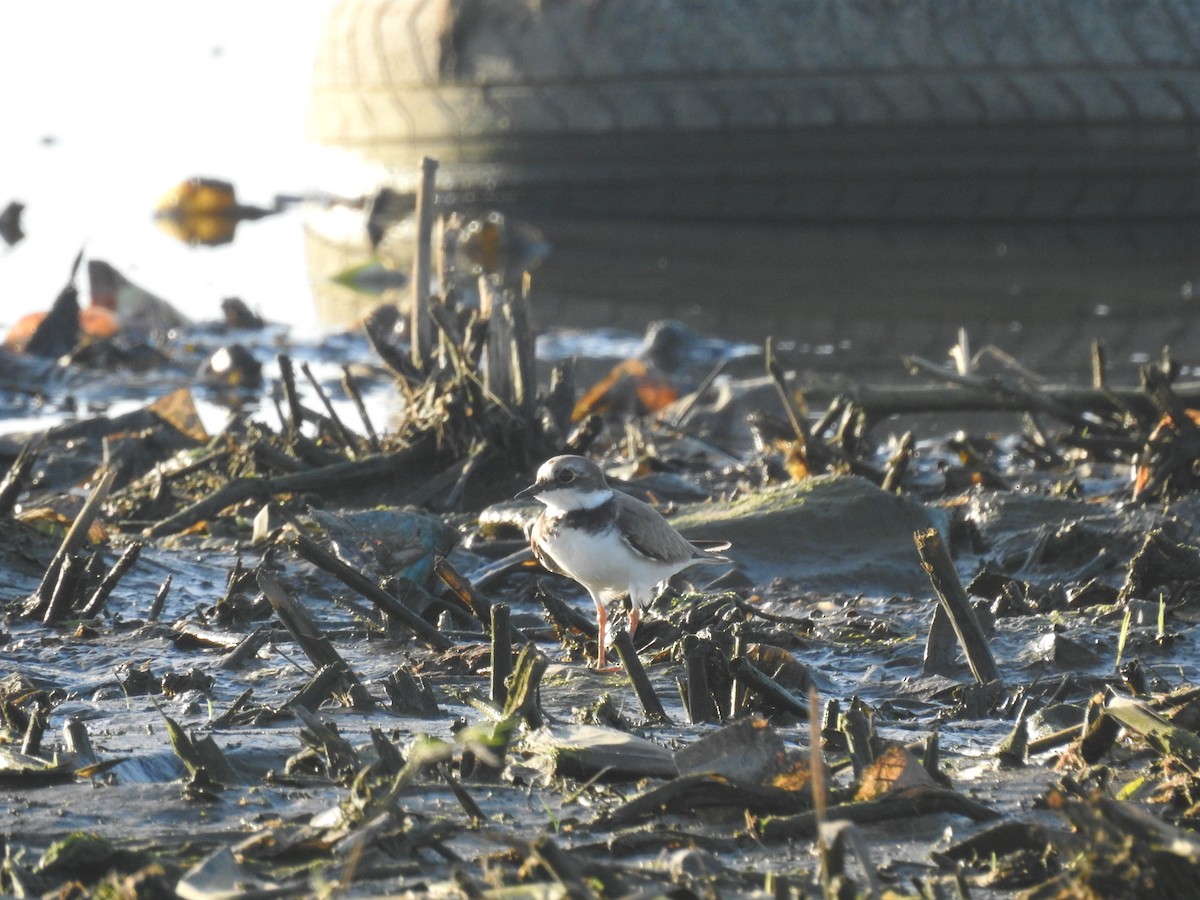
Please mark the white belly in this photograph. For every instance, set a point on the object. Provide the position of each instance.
(607, 567)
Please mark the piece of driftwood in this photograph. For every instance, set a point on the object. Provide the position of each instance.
(1159, 561)
(565, 616)
(747, 751)
(1166, 463)
(1126, 850)
(465, 800)
(566, 620)
(588, 751)
(31, 740)
(200, 754)
(935, 560)
(78, 741)
(786, 396)
(1022, 397)
(839, 840)
(376, 467)
(687, 794)
(391, 760)
(881, 401)
(316, 646)
(737, 688)
(58, 332)
(642, 687)
(287, 376)
(1053, 741)
(902, 804)
(639, 842)
(234, 715)
(1098, 733)
(415, 598)
(309, 451)
(341, 759)
(515, 312)
(361, 584)
(1013, 751)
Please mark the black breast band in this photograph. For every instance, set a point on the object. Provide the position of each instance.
(593, 520)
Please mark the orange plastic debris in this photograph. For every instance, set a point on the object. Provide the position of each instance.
(94, 322)
(629, 385)
(1142, 477)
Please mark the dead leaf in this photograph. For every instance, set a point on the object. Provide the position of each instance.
(893, 770)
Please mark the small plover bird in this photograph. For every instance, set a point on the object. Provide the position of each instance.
(609, 542)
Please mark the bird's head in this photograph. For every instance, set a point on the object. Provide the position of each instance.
(569, 482)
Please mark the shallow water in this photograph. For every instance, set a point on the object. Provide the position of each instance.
(113, 124)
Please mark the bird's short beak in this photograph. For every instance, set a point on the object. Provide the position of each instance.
(532, 491)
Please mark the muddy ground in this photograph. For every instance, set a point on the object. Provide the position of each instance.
(354, 748)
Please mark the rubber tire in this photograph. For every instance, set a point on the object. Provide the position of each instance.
(778, 109)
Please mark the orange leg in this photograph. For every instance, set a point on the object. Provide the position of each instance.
(635, 616)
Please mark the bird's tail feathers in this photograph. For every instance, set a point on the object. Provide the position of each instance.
(710, 551)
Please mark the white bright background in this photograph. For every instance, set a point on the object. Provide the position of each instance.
(104, 106)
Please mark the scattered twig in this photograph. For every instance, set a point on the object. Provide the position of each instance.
(349, 440)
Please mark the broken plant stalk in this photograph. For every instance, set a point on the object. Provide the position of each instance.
(123, 564)
(421, 324)
(316, 646)
(935, 560)
(357, 581)
(502, 660)
(627, 653)
(38, 603)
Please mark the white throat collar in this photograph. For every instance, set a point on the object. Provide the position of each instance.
(565, 500)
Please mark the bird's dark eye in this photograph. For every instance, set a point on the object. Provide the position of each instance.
(566, 476)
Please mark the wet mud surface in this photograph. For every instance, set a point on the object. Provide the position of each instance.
(240, 713)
